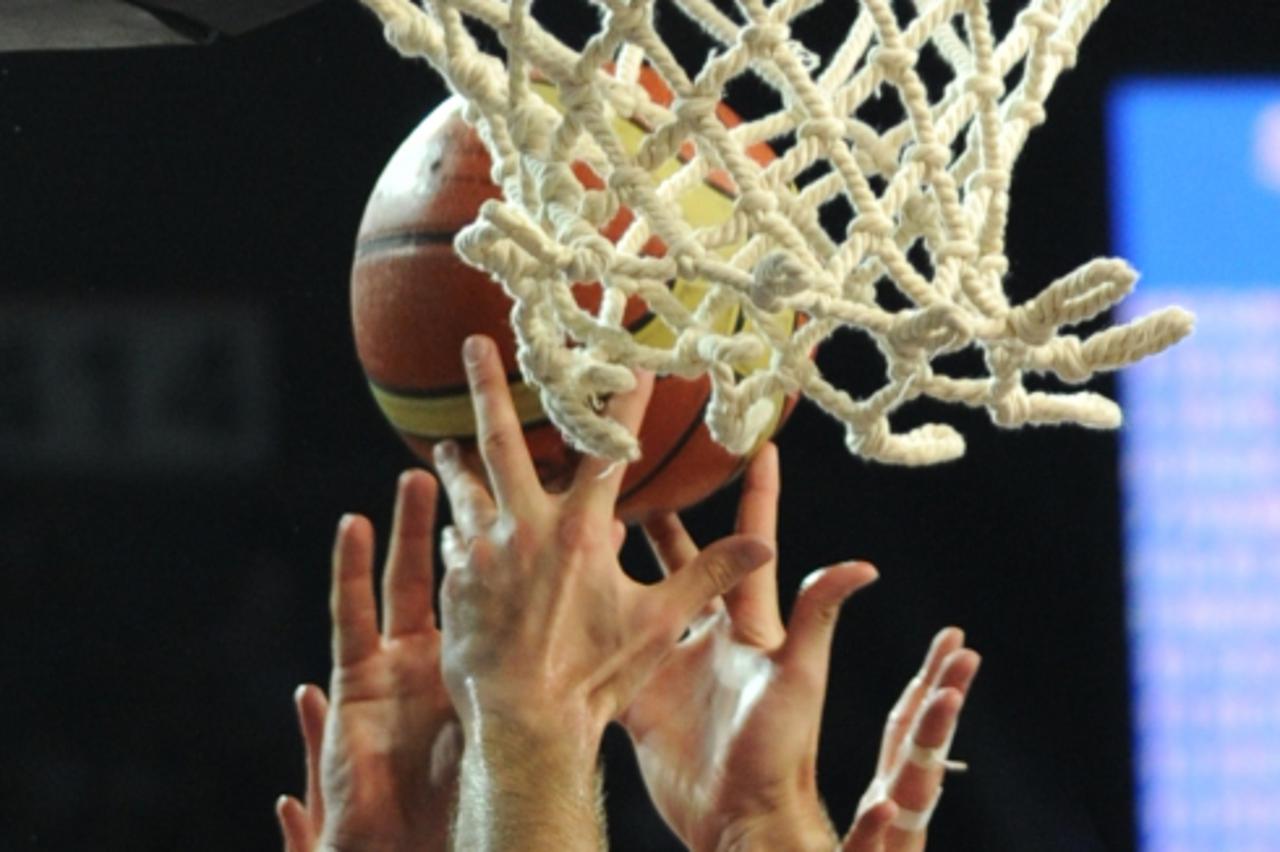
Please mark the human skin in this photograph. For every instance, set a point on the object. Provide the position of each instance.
(383, 750)
(546, 639)
(726, 731)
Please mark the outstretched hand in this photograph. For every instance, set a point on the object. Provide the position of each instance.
(894, 813)
(546, 638)
(383, 750)
(726, 731)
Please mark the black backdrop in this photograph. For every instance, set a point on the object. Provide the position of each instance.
(157, 610)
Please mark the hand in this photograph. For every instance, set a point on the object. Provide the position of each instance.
(726, 731)
(546, 639)
(894, 814)
(382, 758)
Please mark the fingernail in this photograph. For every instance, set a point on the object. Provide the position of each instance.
(756, 552)
(345, 521)
(280, 802)
(299, 692)
(474, 348)
(445, 452)
(811, 578)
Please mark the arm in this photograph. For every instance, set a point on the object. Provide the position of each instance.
(383, 750)
(545, 638)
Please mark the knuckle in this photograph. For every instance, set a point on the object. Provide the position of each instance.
(575, 531)
(495, 441)
(518, 537)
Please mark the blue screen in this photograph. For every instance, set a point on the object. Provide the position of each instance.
(1195, 189)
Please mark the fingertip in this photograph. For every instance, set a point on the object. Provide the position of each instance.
(959, 669)
(415, 481)
(475, 349)
(840, 580)
(885, 813)
(352, 524)
(754, 551)
(944, 706)
(299, 694)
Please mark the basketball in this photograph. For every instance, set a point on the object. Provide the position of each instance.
(413, 302)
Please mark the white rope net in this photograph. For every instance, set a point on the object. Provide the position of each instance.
(926, 196)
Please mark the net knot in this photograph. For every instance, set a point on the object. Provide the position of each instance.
(995, 180)
(987, 86)
(764, 38)
(687, 254)
(873, 225)
(1029, 111)
(625, 179)
(629, 18)
(756, 202)
(775, 277)
(829, 130)
(694, 110)
(965, 250)
(1064, 50)
(590, 259)
(1039, 19)
(527, 131)
(935, 155)
(576, 95)
(893, 61)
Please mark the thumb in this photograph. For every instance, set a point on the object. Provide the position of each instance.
(714, 571)
(807, 651)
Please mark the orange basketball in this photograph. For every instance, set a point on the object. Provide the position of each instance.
(413, 302)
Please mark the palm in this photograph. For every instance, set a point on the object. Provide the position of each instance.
(727, 728)
(719, 761)
(390, 715)
(382, 759)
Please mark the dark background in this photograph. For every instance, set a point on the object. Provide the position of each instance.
(157, 608)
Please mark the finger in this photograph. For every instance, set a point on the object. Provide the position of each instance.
(408, 581)
(501, 440)
(712, 573)
(674, 548)
(294, 825)
(312, 708)
(596, 481)
(670, 542)
(870, 828)
(807, 651)
(959, 669)
(453, 551)
(918, 783)
(473, 507)
(352, 607)
(617, 535)
(753, 603)
(902, 719)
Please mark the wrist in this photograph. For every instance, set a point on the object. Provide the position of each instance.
(531, 786)
(515, 745)
(790, 829)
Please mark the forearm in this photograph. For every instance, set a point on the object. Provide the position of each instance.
(524, 789)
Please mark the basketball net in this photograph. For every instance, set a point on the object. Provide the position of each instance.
(925, 195)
